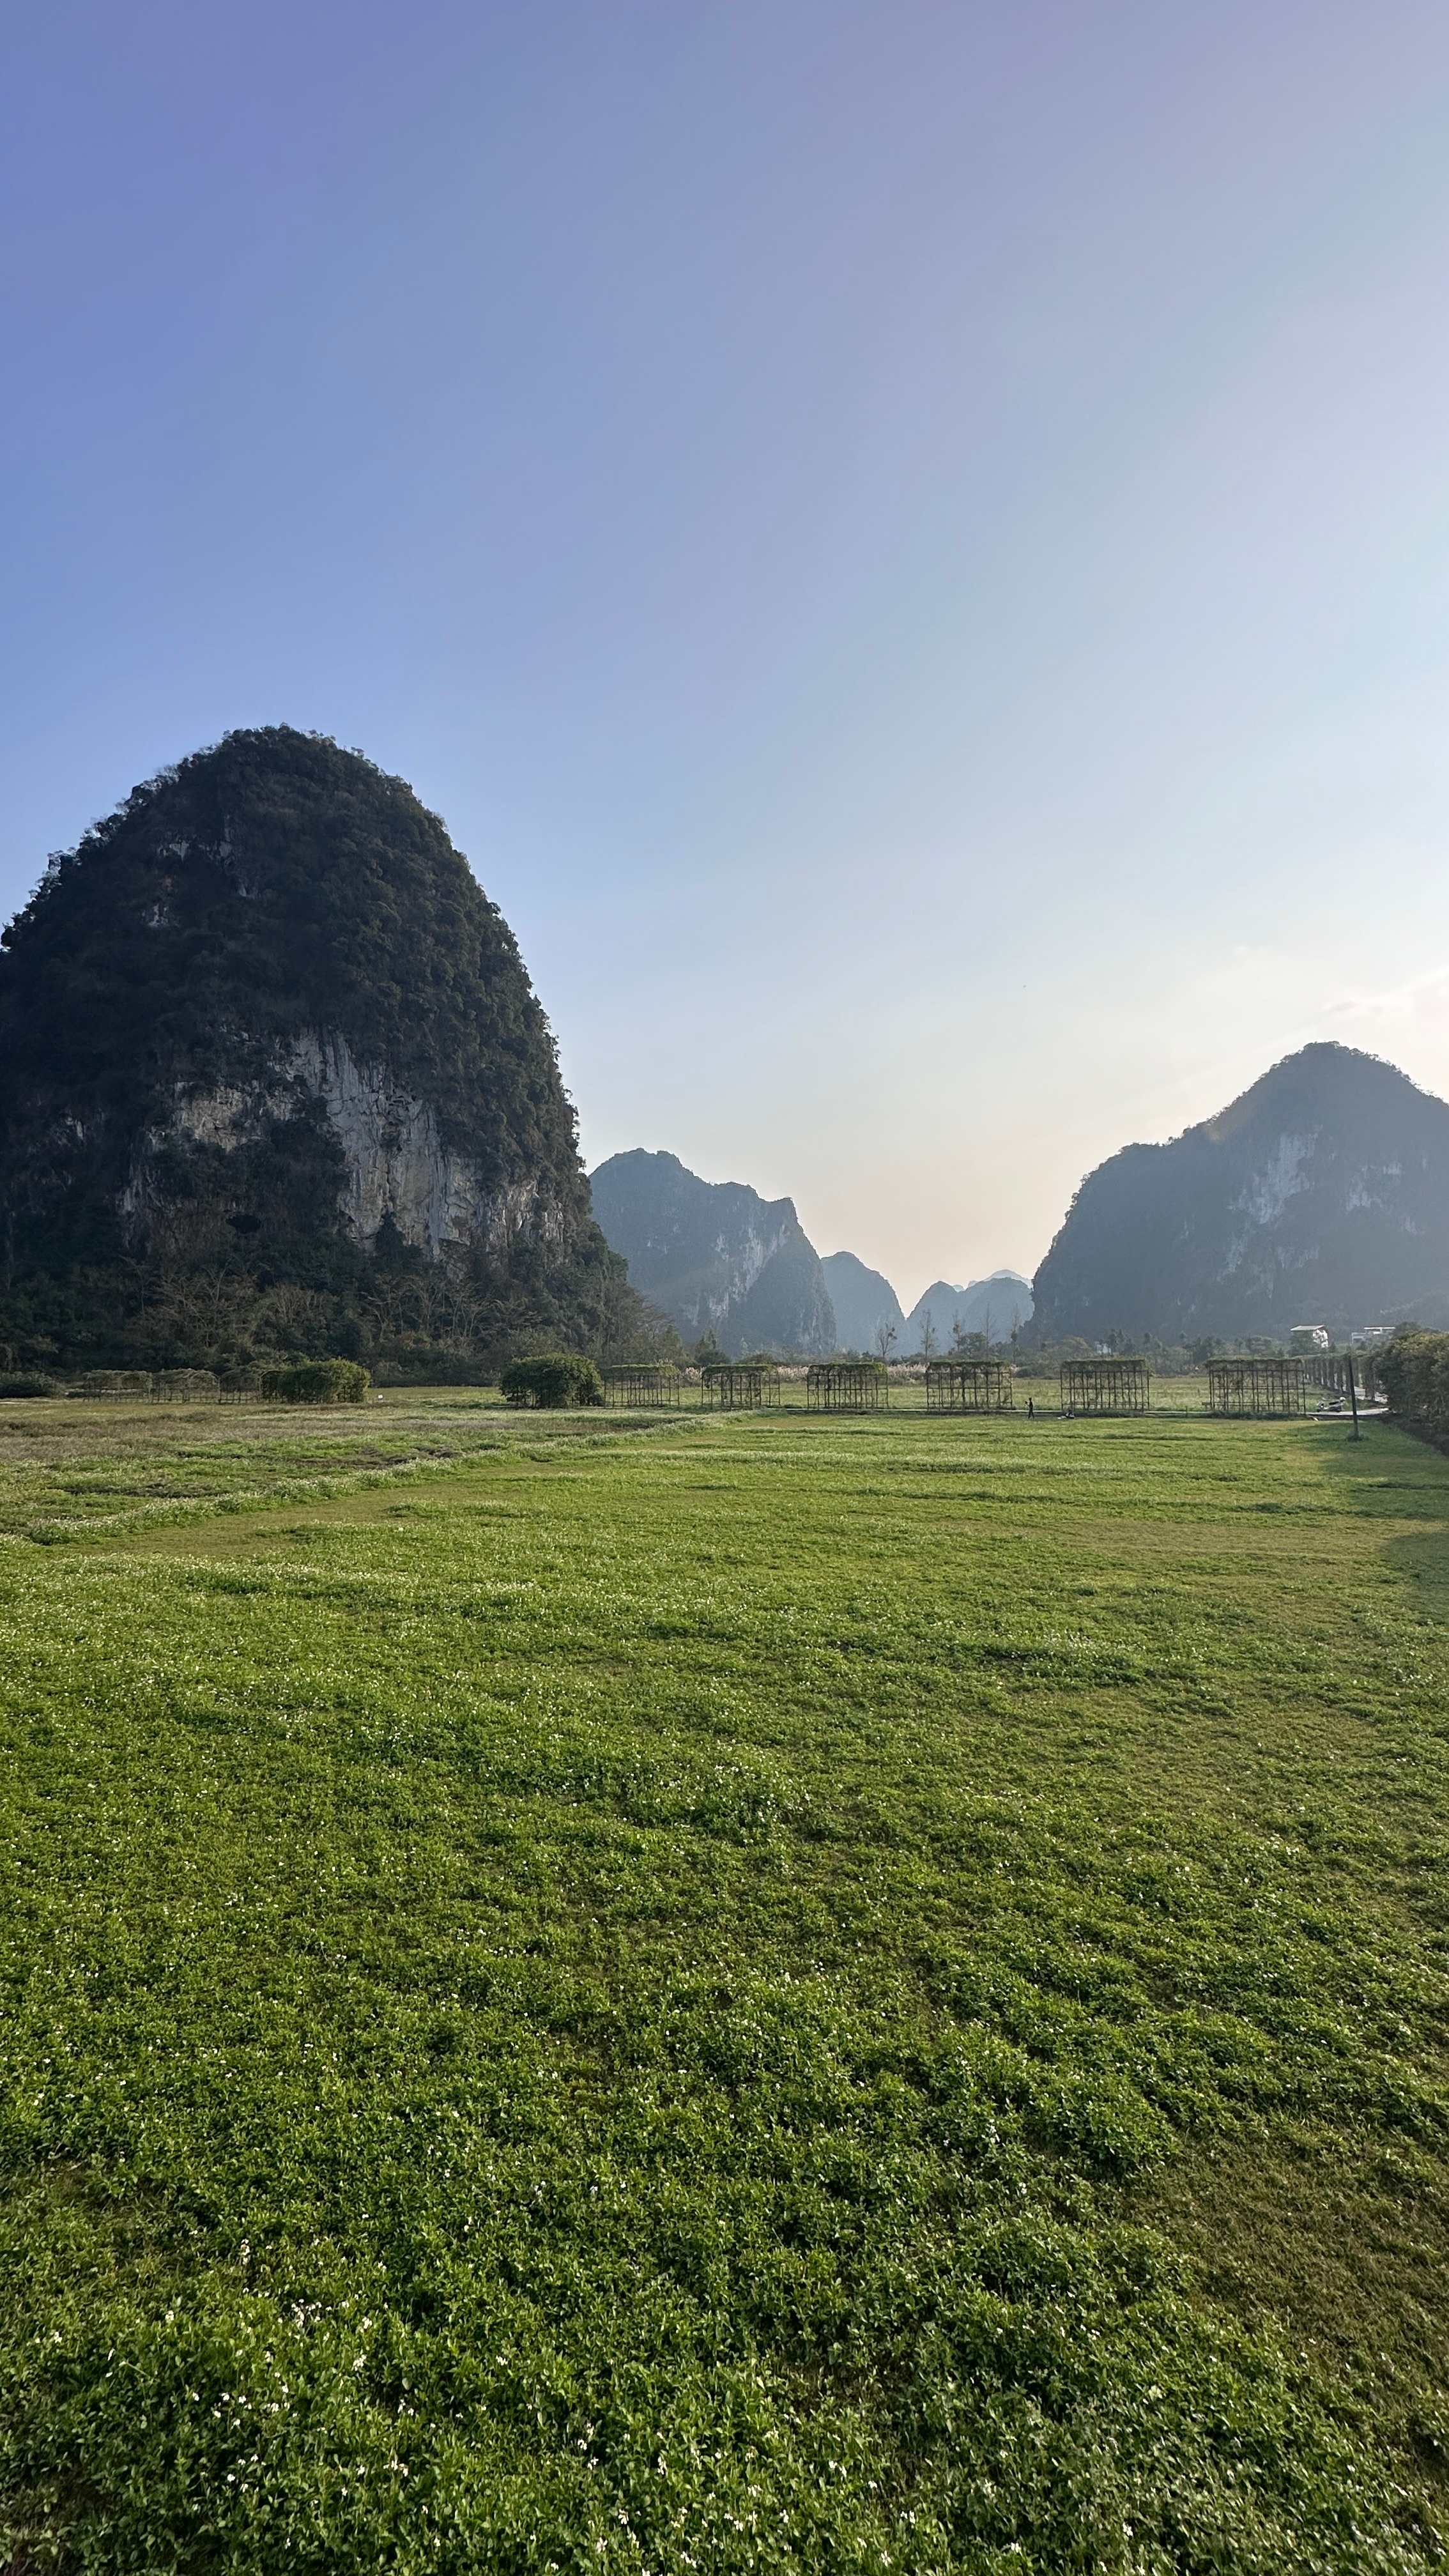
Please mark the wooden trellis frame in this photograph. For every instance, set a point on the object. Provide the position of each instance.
(1334, 1371)
(1106, 1386)
(848, 1386)
(968, 1386)
(185, 1386)
(646, 1387)
(739, 1390)
(117, 1386)
(1256, 1387)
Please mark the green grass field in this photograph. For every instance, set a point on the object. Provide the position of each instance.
(722, 1993)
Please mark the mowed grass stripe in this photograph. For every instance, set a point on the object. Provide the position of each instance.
(782, 1994)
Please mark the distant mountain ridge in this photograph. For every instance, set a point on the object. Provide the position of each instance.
(714, 1255)
(865, 1303)
(1321, 1195)
(998, 1307)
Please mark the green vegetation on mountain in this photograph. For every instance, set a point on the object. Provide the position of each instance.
(272, 1078)
(734, 1993)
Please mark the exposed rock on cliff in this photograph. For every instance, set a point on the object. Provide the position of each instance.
(395, 1165)
(264, 1021)
(1320, 1196)
(865, 1303)
(714, 1255)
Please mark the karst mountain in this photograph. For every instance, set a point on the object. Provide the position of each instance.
(272, 1073)
(1321, 1196)
(714, 1256)
(994, 1308)
(866, 1305)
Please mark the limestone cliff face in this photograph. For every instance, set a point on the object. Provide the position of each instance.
(714, 1256)
(395, 1164)
(1320, 1196)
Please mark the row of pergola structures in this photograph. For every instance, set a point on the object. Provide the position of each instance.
(1345, 1373)
(170, 1386)
(1258, 1388)
(1262, 1388)
(753, 1386)
(750, 1386)
(863, 1386)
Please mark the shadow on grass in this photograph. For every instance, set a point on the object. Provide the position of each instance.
(1391, 1476)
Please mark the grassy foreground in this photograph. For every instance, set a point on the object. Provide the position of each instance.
(722, 1994)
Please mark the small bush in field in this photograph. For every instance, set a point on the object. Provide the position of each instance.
(317, 1382)
(555, 1378)
(28, 1382)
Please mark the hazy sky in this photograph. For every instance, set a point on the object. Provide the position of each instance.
(909, 543)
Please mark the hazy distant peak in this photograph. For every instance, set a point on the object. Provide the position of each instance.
(1320, 1194)
(714, 1255)
(866, 1305)
(997, 1306)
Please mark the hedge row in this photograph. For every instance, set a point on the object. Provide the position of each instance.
(1413, 1371)
(304, 1382)
(316, 1382)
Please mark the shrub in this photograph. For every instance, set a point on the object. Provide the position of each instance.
(1414, 1373)
(317, 1382)
(28, 1382)
(554, 1378)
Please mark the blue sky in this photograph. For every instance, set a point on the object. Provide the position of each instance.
(909, 543)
